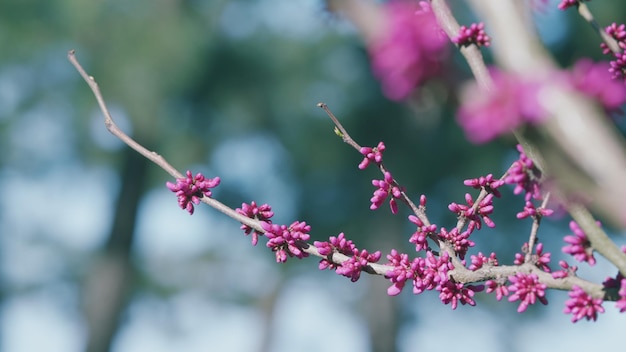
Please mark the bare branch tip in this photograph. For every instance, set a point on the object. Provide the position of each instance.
(322, 105)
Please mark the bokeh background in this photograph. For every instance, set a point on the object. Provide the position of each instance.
(97, 256)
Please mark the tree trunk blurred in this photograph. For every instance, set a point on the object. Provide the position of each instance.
(109, 282)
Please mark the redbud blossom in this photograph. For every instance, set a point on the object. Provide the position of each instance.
(485, 114)
(190, 189)
(566, 270)
(374, 155)
(475, 213)
(579, 246)
(479, 260)
(402, 271)
(525, 176)
(530, 210)
(474, 34)
(287, 241)
(460, 241)
(527, 289)
(261, 213)
(581, 305)
(420, 236)
(386, 187)
(565, 4)
(500, 289)
(409, 50)
(455, 292)
(487, 182)
(598, 81)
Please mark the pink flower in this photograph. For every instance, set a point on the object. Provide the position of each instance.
(565, 271)
(455, 292)
(403, 270)
(482, 211)
(581, 305)
(190, 189)
(479, 260)
(460, 241)
(530, 210)
(594, 80)
(579, 246)
(489, 183)
(527, 289)
(287, 241)
(420, 236)
(500, 289)
(525, 176)
(338, 244)
(262, 213)
(565, 4)
(475, 34)
(386, 187)
(484, 115)
(352, 267)
(370, 154)
(410, 50)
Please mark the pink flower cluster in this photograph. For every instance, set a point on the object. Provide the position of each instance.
(475, 212)
(474, 34)
(618, 64)
(410, 50)
(525, 176)
(565, 4)
(595, 81)
(582, 305)
(384, 188)
(578, 245)
(527, 289)
(513, 101)
(358, 261)
(372, 155)
(287, 240)
(190, 189)
(261, 213)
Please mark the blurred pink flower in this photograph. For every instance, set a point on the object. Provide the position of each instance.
(484, 115)
(410, 51)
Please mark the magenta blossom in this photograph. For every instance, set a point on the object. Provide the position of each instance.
(513, 101)
(455, 292)
(581, 305)
(525, 176)
(489, 183)
(527, 289)
(474, 34)
(287, 241)
(190, 189)
(565, 4)
(386, 187)
(410, 49)
(594, 80)
(566, 270)
(370, 154)
(420, 236)
(479, 260)
(501, 290)
(578, 245)
(261, 213)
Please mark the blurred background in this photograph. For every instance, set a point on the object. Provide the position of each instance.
(97, 256)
